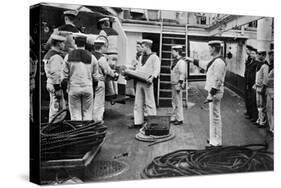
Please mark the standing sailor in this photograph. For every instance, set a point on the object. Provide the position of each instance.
(80, 67)
(104, 71)
(178, 73)
(131, 84)
(270, 92)
(104, 25)
(67, 29)
(139, 50)
(250, 94)
(216, 70)
(53, 65)
(69, 17)
(149, 63)
(111, 86)
(260, 87)
(139, 53)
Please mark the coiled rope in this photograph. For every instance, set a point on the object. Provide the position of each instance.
(216, 160)
(66, 138)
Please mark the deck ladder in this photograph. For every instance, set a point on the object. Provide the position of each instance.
(167, 39)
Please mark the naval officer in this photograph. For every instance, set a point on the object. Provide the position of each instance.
(250, 94)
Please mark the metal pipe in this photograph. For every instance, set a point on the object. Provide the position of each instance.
(160, 56)
(186, 69)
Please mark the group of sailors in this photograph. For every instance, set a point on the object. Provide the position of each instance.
(77, 78)
(148, 62)
(259, 87)
(81, 73)
(259, 97)
(215, 75)
(77, 68)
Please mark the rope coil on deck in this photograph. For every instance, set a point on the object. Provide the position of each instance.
(67, 138)
(217, 160)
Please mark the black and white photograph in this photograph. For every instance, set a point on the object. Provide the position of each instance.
(127, 93)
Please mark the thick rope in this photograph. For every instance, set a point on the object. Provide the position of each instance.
(216, 160)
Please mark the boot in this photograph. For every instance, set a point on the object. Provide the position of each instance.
(259, 120)
(178, 122)
(257, 123)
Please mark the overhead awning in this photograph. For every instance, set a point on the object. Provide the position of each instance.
(91, 13)
(100, 12)
(64, 6)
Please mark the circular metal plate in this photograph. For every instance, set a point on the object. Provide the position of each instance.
(105, 169)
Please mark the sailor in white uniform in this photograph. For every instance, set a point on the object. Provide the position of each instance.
(104, 72)
(80, 67)
(270, 92)
(215, 75)
(178, 76)
(149, 63)
(53, 65)
(260, 87)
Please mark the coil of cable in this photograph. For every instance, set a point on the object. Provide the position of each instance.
(66, 139)
(216, 160)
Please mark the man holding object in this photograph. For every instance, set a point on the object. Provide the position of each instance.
(149, 63)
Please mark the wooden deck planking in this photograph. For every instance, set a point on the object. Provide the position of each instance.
(191, 135)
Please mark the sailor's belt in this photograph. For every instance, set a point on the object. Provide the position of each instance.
(138, 75)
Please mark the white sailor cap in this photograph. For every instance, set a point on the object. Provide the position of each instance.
(79, 35)
(261, 52)
(112, 52)
(148, 41)
(215, 42)
(58, 37)
(103, 38)
(71, 12)
(99, 41)
(91, 39)
(177, 47)
(103, 19)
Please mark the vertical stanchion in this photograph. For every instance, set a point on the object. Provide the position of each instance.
(186, 67)
(160, 56)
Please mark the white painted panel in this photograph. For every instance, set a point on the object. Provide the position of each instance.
(198, 50)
